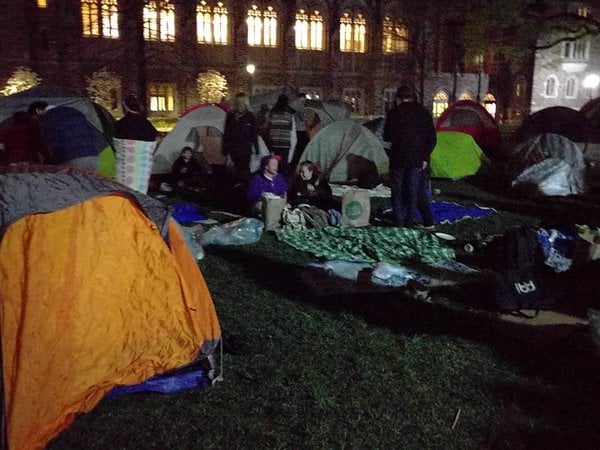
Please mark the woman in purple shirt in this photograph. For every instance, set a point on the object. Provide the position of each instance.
(266, 182)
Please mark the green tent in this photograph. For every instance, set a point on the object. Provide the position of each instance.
(456, 155)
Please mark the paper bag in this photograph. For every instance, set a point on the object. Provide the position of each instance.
(272, 211)
(356, 208)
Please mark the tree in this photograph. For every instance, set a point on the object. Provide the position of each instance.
(23, 78)
(104, 88)
(212, 86)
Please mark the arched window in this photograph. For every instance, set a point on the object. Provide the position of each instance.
(395, 36)
(262, 27)
(353, 31)
(100, 18)
(212, 23)
(489, 103)
(440, 103)
(520, 87)
(309, 30)
(551, 86)
(159, 21)
(571, 88)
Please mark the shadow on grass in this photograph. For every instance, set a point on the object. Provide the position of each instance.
(560, 354)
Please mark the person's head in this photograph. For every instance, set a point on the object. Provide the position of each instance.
(241, 103)
(405, 94)
(270, 165)
(307, 169)
(36, 109)
(132, 104)
(186, 152)
(283, 103)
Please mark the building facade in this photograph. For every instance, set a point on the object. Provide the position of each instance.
(354, 51)
(567, 74)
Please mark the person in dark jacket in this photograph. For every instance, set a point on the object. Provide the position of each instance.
(186, 171)
(240, 136)
(72, 140)
(134, 126)
(310, 188)
(409, 128)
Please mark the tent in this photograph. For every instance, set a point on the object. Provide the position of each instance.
(467, 116)
(548, 164)
(53, 96)
(561, 120)
(456, 155)
(199, 126)
(97, 289)
(347, 152)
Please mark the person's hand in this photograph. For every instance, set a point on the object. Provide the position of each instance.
(425, 164)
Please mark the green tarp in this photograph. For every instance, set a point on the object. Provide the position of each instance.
(456, 155)
(373, 244)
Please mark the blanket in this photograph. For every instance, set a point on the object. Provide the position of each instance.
(376, 244)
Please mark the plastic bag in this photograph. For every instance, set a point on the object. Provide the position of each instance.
(239, 232)
(191, 237)
(348, 270)
(386, 274)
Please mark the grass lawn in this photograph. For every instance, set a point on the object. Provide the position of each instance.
(378, 370)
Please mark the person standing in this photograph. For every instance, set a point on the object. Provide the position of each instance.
(21, 142)
(299, 106)
(133, 125)
(409, 128)
(240, 136)
(282, 135)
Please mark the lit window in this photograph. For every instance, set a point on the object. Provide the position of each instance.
(354, 98)
(489, 103)
(551, 87)
(159, 21)
(395, 36)
(42, 3)
(161, 97)
(100, 18)
(571, 88)
(576, 50)
(440, 103)
(579, 9)
(520, 87)
(353, 30)
(466, 96)
(262, 27)
(212, 24)
(309, 31)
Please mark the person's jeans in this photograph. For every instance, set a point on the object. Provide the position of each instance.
(409, 194)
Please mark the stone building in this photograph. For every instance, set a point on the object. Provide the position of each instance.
(564, 74)
(356, 51)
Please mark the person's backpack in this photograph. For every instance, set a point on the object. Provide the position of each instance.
(520, 278)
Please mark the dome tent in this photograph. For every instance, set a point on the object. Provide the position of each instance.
(469, 117)
(456, 155)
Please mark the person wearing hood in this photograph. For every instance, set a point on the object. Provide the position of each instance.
(267, 182)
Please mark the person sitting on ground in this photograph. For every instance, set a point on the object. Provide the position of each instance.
(310, 188)
(267, 182)
(186, 171)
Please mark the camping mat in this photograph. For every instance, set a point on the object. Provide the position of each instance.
(372, 244)
(447, 212)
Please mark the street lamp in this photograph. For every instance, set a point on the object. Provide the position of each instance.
(591, 82)
(251, 68)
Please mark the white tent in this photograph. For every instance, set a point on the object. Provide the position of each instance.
(200, 128)
(549, 164)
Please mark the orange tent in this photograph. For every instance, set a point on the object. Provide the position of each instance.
(92, 297)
